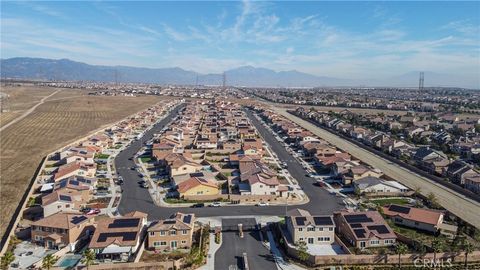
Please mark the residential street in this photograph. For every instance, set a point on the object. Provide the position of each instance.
(136, 198)
(454, 202)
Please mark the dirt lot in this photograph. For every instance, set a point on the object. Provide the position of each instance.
(52, 125)
(21, 99)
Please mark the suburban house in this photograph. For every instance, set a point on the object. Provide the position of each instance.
(364, 229)
(182, 165)
(357, 172)
(170, 234)
(374, 185)
(257, 179)
(62, 229)
(417, 218)
(303, 227)
(75, 168)
(60, 200)
(116, 239)
(73, 154)
(459, 170)
(473, 183)
(197, 186)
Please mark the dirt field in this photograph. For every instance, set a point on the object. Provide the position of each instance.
(52, 125)
(19, 100)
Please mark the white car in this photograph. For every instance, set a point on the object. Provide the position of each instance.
(262, 204)
(215, 204)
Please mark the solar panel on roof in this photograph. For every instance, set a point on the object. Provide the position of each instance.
(124, 223)
(360, 233)
(74, 182)
(169, 221)
(197, 174)
(78, 219)
(359, 218)
(126, 236)
(399, 209)
(381, 229)
(65, 198)
(323, 220)
(187, 219)
(202, 180)
(356, 225)
(62, 183)
(300, 220)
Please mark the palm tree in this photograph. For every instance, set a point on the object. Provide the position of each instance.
(467, 248)
(400, 249)
(437, 246)
(88, 257)
(7, 259)
(49, 261)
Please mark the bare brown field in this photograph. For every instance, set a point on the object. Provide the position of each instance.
(22, 98)
(51, 126)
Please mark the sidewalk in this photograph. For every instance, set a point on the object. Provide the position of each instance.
(210, 265)
(277, 255)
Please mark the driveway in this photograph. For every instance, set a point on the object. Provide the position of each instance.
(230, 253)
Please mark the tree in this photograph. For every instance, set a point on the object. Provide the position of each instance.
(432, 200)
(88, 257)
(437, 246)
(400, 249)
(49, 261)
(467, 248)
(302, 251)
(7, 259)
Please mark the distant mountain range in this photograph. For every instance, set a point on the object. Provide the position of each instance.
(65, 69)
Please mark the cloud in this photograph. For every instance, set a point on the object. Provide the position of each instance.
(464, 27)
(175, 35)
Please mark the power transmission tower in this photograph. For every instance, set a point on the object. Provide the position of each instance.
(421, 81)
(116, 77)
(224, 80)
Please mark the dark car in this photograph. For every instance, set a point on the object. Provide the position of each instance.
(198, 205)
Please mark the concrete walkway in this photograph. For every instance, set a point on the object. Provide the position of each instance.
(277, 256)
(210, 265)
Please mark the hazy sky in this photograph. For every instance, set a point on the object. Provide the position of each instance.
(340, 39)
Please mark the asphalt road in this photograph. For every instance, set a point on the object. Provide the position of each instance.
(136, 198)
(232, 249)
(458, 204)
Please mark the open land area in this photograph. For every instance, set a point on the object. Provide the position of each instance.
(51, 125)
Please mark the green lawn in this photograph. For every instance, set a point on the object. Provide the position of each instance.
(146, 159)
(101, 156)
(382, 202)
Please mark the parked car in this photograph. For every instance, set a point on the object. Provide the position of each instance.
(198, 205)
(86, 210)
(215, 204)
(94, 211)
(262, 204)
